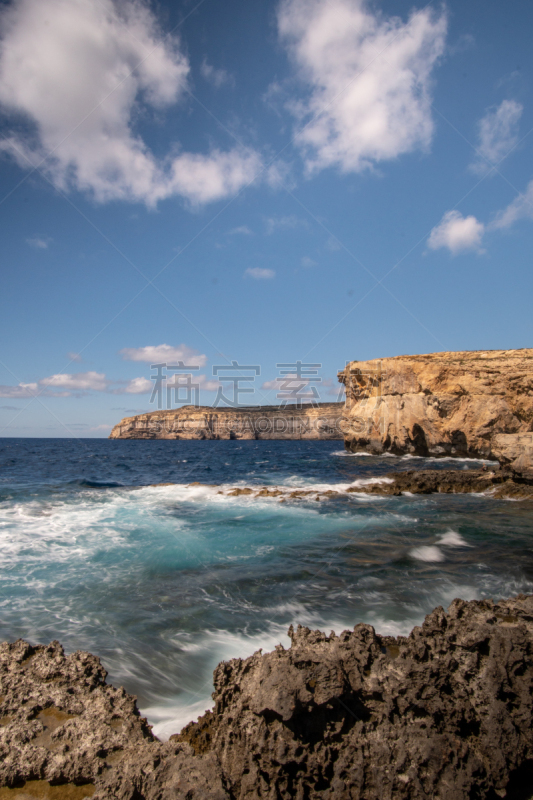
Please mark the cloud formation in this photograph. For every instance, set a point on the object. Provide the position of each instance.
(368, 78)
(76, 72)
(457, 233)
(164, 354)
(38, 243)
(520, 208)
(498, 134)
(217, 77)
(260, 274)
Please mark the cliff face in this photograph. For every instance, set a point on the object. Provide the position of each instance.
(439, 404)
(322, 421)
(444, 713)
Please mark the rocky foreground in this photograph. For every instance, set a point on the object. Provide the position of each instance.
(444, 713)
(472, 403)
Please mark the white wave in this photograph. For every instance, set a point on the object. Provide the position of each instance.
(428, 553)
(347, 453)
(453, 539)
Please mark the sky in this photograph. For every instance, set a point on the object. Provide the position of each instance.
(255, 190)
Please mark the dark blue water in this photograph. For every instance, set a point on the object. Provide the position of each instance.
(163, 582)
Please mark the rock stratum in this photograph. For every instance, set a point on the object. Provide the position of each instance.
(320, 421)
(473, 403)
(443, 713)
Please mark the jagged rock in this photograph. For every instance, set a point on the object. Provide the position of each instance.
(444, 713)
(320, 421)
(450, 481)
(61, 723)
(438, 404)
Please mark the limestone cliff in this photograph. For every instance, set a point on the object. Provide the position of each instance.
(321, 421)
(440, 404)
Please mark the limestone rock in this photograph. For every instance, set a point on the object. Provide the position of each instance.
(516, 451)
(438, 404)
(321, 421)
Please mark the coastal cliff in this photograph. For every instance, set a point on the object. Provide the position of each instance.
(472, 403)
(445, 712)
(321, 421)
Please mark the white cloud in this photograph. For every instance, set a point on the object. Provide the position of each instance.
(520, 208)
(498, 134)
(242, 229)
(59, 385)
(273, 224)
(79, 382)
(457, 233)
(77, 72)
(369, 80)
(23, 390)
(164, 354)
(217, 77)
(74, 357)
(308, 262)
(137, 386)
(260, 274)
(39, 244)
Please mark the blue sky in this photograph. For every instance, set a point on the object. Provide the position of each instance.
(259, 182)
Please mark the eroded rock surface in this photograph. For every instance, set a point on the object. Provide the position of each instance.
(499, 483)
(61, 725)
(321, 421)
(444, 713)
(438, 404)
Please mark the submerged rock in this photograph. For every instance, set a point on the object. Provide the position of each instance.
(443, 713)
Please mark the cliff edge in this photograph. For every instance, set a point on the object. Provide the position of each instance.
(471, 403)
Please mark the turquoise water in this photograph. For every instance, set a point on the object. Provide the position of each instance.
(163, 582)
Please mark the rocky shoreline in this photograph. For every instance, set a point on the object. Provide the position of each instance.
(445, 712)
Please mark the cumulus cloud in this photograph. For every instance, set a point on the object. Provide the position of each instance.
(217, 77)
(137, 386)
(59, 385)
(368, 78)
(164, 354)
(498, 134)
(259, 274)
(308, 262)
(80, 382)
(74, 73)
(457, 233)
(520, 208)
(72, 356)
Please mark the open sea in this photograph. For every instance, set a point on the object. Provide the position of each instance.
(163, 582)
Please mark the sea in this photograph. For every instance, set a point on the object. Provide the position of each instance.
(134, 551)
